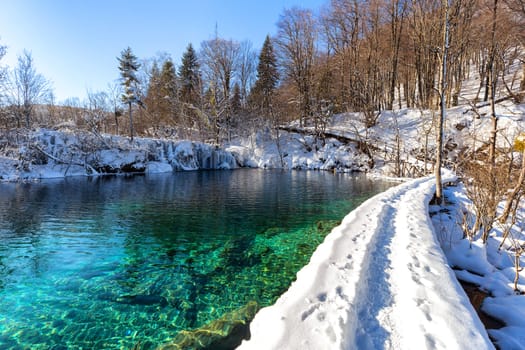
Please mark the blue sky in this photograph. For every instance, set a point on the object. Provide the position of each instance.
(74, 43)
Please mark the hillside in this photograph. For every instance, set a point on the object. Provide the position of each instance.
(341, 286)
(48, 153)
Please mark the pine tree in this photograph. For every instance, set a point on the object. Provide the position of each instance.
(168, 90)
(190, 90)
(128, 67)
(161, 98)
(189, 74)
(267, 77)
(236, 100)
(154, 95)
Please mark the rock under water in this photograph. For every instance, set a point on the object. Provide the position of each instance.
(225, 333)
(142, 299)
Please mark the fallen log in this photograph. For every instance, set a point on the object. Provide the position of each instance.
(330, 134)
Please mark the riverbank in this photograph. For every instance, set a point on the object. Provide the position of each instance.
(44, 154)
(389, 278)
(487, 269)
(399, 145)
(376, 278)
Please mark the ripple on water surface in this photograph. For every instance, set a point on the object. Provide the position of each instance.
(118, 262)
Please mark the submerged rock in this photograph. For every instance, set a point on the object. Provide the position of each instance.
(224, 333)
(142, 299)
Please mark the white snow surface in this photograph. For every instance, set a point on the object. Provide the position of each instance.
(48, 153)
(486, 266)
(379, 281)
(85, 153)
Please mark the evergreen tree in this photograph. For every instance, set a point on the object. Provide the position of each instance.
(267, 77)
(168, 90)
(154, 95)
(161, 98)
(190, 78)
(190, 91)
(128, 67)
(236, 100)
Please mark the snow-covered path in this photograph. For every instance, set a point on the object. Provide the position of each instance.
(379, 281)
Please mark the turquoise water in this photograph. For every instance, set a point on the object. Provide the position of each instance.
(123, 262)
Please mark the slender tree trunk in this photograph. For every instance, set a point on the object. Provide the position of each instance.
(491, 74)
(116, 122)
(130, 123)
(522, 84)
(517, 255)
(397, 29)
(508, 205)
(443, 78)
(487, 83)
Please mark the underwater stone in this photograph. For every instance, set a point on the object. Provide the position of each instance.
(224, 333)
(142, 299)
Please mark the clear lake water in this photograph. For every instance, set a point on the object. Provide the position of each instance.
(134, 262)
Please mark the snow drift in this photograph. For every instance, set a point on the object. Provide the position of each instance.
(49, 153)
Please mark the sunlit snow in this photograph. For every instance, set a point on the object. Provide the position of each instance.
(386, 277)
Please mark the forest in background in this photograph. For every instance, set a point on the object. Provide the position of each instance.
(351, 56)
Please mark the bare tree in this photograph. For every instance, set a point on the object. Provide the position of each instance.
(442, 96)
(342, 29)
(517, 26)
(296, 45)
(424, 44)
(397, 11)
(26, 88)
(485, 193)
(97, 109)
(517, 191)
(3, 70)
(72, 111)
(220, 59)
(492, 74)
(247, 69)
(114, 91)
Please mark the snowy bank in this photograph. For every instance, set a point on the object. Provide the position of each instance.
(298, 151)
(50, 154)
(401, 144)
(487, 266)
(379, 281)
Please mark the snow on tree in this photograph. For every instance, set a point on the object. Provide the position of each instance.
(161, 97)
(189, 75)
(190, 91)
(25, 88)
(296, 44)
(128, 67)
(168, 84)
(3, 51)
(267, 77)
(220, 58)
